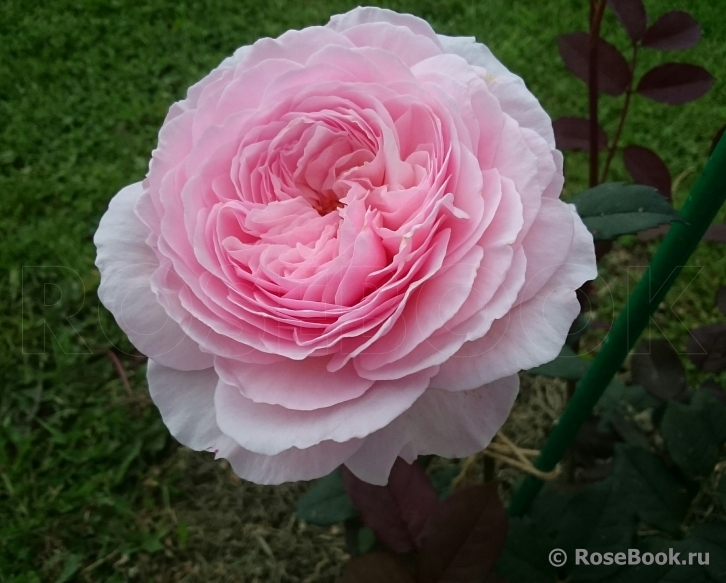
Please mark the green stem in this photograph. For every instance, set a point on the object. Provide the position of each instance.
(699, 210)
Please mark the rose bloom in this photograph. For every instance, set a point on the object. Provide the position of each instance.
(348, 244)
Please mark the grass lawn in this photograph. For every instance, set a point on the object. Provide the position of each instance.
(91, 485)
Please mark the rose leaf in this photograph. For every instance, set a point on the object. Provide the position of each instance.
(675, 83)
(573, 133)
(614, 208)
(613, 73)
(397, 512)
(464, 537)
(525, 553)
(646, 167)
(707, 347)
(657, 497)
(632, 15)
(326, 503)
(567, 365)
(694, 433)
(656, 366)
(673, 31)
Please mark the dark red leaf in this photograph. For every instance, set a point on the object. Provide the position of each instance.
(716, 234)
(675, 83)
(398, 511)
(656, 367)
(613, 73)
(721, 299)
(573, 133)
(464, 536)
(376, 568)
(632, 15)
(672, 32)
(646, 167)
(495, 578)
(707, 347)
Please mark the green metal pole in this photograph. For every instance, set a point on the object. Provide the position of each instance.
(699, 210)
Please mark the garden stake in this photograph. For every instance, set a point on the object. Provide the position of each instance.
(699, 210)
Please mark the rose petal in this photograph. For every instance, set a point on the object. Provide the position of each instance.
(290, 465)
(369, 14)
(126, 264)
(271, 429)
(516, 100)
(429, 308)
(304, 385)
(186, 403)
(532, 333)
(440, 423)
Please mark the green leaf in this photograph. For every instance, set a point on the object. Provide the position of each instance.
(567, 365)
(326, 503)
(615, 208)
(547, 510)
(617, 405)
(694, 433)
(598, 519)
(621, 398)
(653, 493)
(525, 555)
(630, 432)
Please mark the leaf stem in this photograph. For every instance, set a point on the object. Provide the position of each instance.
(597, 10)
(624, 112)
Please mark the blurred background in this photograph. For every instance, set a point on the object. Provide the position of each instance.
(92, 487)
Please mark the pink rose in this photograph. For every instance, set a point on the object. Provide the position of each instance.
(349, 242)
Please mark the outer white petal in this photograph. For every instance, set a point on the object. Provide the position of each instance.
(475, 53)
(369, 14)
(126, 264)
(290, 465)
(186, 403)
(516, 100)
(440, 422)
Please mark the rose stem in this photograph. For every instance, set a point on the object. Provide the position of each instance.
(623, 114)
(697, 213)
(597, 10)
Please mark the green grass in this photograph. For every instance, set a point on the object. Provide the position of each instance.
(85, 470)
